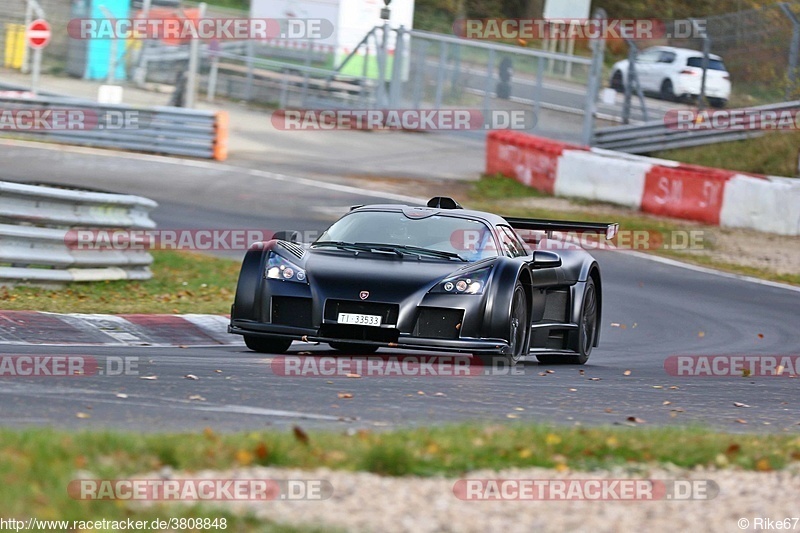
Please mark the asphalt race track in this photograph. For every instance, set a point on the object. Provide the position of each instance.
(657, 310)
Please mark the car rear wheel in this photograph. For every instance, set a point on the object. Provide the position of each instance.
(587, 331)
(353, 348)
(518, 331)
(667, 92)
(267, 344)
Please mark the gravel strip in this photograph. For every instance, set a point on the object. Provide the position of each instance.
(368, 502)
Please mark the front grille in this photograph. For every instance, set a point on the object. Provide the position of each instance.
(359, 333)
(438, 323)
(387, 312)
(291, 311)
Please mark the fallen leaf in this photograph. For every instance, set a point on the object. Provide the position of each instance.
(148, 377)
(635, 420)
(191, 376)
(741, 421)
(353, 375)
(542, 373)
(674, 387)
(658, 387)
(760, 335)
(551, 439)
(666, 402)
(678, 410)
(745, 372)
(421, 393)
(218, 371)
(519, 408)
(701, 334)
(512, 415)
(344, 395)
(300, 435)
(615, 324)
(573, 390)
(581, 372)
(440, 394)
(244, 457)
(550, 371)
(608, 410)
(197, 397)
(261, 451)
(122, 395)
(525, 453)
(779, 370)
(740, 404)
(594, 379)
(733, 449)
(763, 465)
(83, 415)
(623, 326)
(626, 373)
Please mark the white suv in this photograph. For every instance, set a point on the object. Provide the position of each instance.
(676, 73)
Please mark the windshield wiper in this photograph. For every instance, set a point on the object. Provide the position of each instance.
(361, 247)
(429, 251)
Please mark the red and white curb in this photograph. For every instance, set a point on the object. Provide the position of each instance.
(709, 195)
(31, 327)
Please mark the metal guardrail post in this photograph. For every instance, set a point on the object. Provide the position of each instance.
(794, 50)
(595, 73)
(489, 79)
(194, 53)
(440, 73)
(397, 68)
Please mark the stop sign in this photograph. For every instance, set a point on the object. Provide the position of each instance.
(38, 34)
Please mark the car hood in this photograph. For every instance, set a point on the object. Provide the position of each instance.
(342, 274)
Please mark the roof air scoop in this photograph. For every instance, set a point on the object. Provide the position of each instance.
(443, 202)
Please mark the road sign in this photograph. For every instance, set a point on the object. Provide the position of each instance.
(38, 34)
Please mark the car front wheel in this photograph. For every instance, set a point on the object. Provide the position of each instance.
(267, 344)
(518, 331)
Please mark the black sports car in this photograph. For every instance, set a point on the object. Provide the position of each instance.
(435, 278)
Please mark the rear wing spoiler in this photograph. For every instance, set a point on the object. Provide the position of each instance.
(534, 224)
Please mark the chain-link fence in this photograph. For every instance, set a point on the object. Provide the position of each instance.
(760, 50)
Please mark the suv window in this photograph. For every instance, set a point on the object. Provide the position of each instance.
(667, 57)
(713, 64)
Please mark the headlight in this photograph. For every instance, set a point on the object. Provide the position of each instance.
(467, 283)
(282, 269)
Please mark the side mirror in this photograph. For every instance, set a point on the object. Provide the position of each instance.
(288, 235)
(545, 259)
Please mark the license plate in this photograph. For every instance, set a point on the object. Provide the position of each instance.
(360, 320)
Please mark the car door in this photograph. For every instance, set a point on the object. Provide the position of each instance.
(663, 68)
(645, 64)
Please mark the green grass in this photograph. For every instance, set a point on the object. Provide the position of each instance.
(37, 464)
(182, 282)
(491, 193)
(774, 154)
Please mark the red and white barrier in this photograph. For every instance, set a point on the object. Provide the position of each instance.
(691, 192)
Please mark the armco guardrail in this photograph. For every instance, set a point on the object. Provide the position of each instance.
(158, 130)
(709, 195)
(668, 133)
(35, 239)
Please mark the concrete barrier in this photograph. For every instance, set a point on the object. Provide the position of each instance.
(668, 188)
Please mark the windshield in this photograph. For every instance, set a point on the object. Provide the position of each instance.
(470, 239)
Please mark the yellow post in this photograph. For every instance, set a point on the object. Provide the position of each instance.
(15, 45)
